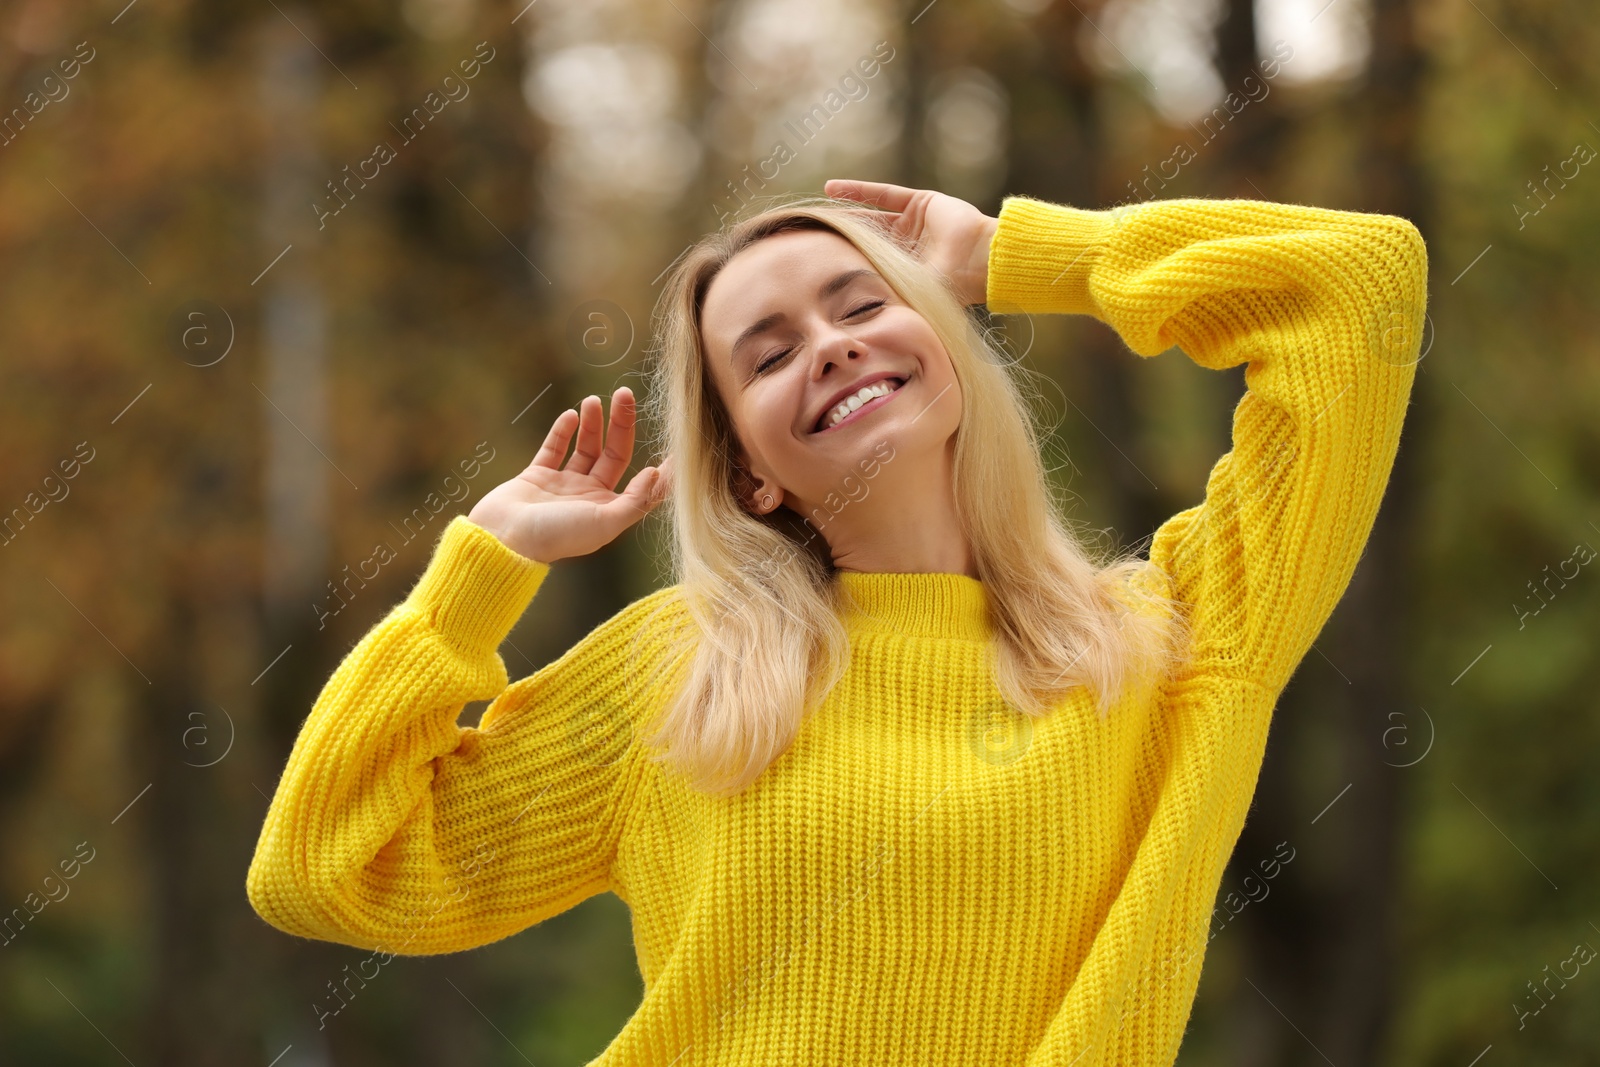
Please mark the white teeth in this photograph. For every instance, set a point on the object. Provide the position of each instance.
(851, 403)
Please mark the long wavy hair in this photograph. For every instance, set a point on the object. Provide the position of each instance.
(761, 641)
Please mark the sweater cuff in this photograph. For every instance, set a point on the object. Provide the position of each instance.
(475, 588)
(1042, 256)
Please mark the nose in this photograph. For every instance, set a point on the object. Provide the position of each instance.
(834, 348)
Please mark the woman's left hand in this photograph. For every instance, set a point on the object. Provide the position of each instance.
(949, 234)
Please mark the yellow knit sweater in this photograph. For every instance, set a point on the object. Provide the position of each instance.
(896, 888)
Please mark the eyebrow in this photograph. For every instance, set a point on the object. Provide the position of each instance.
(828, 288)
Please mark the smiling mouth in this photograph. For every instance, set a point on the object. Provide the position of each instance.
(870, 405)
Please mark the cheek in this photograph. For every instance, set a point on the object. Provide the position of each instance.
(768, 422)
(909, 333)
(921, 342)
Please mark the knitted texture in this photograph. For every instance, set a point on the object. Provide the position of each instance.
(926, 876)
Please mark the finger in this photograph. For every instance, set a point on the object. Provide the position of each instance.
(587, 449)
(668, 468)
(619, 439)
(640, 497)
(878, 194)
(554, 449)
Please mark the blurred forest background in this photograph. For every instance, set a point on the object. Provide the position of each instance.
(231, 370)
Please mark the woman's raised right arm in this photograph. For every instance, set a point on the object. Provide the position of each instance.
(394, 828)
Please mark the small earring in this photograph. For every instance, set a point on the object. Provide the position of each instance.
(766, 501)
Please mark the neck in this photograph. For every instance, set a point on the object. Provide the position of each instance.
(906, 523)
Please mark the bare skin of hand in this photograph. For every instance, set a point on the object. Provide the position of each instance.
(948, 233)
(554, 509)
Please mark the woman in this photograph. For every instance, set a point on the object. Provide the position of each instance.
(784, 762)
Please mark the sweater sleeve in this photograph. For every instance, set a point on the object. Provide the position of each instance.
(396, 829)
(1326, 307)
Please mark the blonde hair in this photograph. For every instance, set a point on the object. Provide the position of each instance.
(763, 642)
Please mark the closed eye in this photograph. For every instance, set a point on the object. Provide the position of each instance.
(776, 356)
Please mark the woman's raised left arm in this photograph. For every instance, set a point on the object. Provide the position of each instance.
(1326, 307)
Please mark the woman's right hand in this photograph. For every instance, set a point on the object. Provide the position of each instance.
(553, 510)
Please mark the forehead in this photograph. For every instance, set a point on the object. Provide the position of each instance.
(776, 274)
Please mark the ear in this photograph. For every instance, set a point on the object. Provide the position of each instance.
(751, 487)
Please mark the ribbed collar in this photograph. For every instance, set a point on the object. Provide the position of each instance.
(926, 604)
